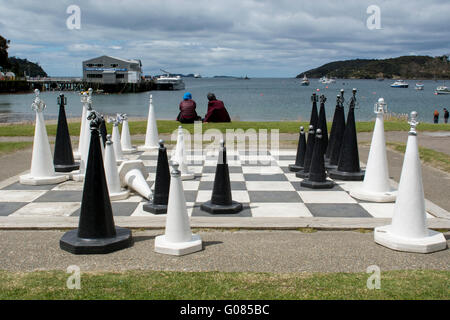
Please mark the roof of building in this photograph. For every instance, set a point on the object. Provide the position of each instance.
(115, 58)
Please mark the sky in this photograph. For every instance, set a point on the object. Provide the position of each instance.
(258, 38)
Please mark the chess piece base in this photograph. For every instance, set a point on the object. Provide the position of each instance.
(178, 248)
(155, 208)
(347, 176)
(294, 168)
(124, 194)
(362, 194)
(28, 179)
(302, 174)
(66, 167)
(234, 207)
(129, 151)
(328, 184)
(435, 241)
(72, 243)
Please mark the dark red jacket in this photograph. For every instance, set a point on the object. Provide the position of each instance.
(217, 112)
(187, 110)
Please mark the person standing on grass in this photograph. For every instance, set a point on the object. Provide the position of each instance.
(436, 116)
(445, 115)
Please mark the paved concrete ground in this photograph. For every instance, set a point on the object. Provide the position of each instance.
(255, 251)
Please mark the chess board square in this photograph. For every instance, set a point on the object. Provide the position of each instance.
(288, 158)
(234, 163)
(285, 163)
(209, 169)
(18, 186)
(148, 157)
(265, 177)
(20, 195)
(124, 209)
(191, 185)
(237, 177)
(285, 169)
(292, 177)
(259, 163)
(298, 187)
(349, 185)
(262, 169)
(69, 186)
(150, 163)
(61, 196)
(235, 185)
(284, 152)
(207, 176)
(269, 186)
(279, 210)
(337, 210)
(190, 195)
(7, 208)
(230, 169)
(150, 169)
(55, 209)
(274, 196)
(197, 212)
(326, 197)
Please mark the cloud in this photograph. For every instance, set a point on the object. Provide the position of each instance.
(254, 37)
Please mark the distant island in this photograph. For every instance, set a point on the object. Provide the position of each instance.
(405, 67)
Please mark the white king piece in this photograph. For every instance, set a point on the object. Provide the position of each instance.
(408, 231)
(376, 186)
(42, 169)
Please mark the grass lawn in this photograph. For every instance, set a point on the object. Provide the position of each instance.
(434, 158)
(10, 147)
(168, 126)
(155, 285)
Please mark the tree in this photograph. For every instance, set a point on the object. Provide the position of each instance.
(4, 62)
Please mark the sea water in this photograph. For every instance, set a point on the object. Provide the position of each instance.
(262, 99)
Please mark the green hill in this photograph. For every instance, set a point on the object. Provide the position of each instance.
(405, 67)
(19, 66)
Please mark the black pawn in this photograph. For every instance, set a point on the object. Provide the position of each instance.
(301, 150)
(338, 135)
(322, 123)
(314, 115)
(221, 201)
(158, 205)
(103, 131)
(96, 233)
(317, 178)
(333, 131)
(63, 156)
(308, 154)
(348, 166)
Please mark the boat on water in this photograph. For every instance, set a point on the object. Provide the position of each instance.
(419, 86)
(197, 75)
(326, 80)
(399, 84)
(442, 90)
(305, 81)
(169, 82)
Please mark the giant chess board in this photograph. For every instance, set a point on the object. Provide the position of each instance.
(262, 183)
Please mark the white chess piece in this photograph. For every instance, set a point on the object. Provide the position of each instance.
(408, 231)
(42, 170)
(151, 135)
(112, 174)
(180, 157)
(376, 186)
(132, 174)
(178, 239)
(125, 139)
(116, 137)
(85, 100)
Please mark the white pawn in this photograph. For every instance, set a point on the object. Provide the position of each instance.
(112, 174)
(42, 170)
(151, 135)
(85, 100)
(116, 137)
(126, 137)
(408, 231)
(180, 157)
(132, 174)
(178, 239)
(376, 186)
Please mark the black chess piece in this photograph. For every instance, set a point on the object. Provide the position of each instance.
(158, 205)
(63, 160)
(96, 233)
(333, 129)
(103, 130)
(314, 114)
(301, 150)
(317, 178)
(308, 154)
(338, 134)
(348, 166)
(221, 201)
(322, 123)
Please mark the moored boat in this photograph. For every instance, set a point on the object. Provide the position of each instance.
(419, 86)
(442, 90)
(305, 81)
(399, 84)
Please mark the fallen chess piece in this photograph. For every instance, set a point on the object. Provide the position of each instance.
(132, 174)
(178, 239)
(42, 169)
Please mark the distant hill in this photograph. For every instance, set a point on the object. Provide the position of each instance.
(405, 67)
(19, 66)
